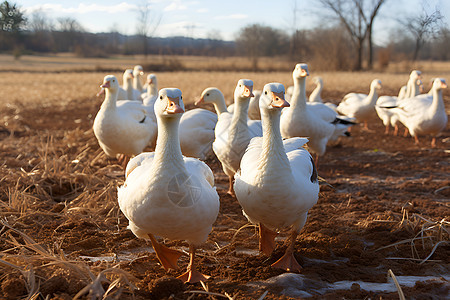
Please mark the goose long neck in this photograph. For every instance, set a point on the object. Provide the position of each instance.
(137, 83)
(412, 88)
(152, 91)
(373, 95)
(273, 157)
(110, 101)
(219, 105)
(168, 151)
(438, 102)
(239, 119)
(298, 101)
(129, 88)
(315, 94)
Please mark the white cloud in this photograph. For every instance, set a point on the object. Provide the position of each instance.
(202, 10)
(83, 8)
(233, 16)
(175, 6)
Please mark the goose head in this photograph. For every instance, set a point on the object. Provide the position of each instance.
(300, 71)
(439, 83)
(376, 84)
(244, 89)
(110, 83)
(415, 77)
(151, 79)
(138, 70)
(169, 104)
(128, 75)
(272, 97)
(317, 80)
(210, 95)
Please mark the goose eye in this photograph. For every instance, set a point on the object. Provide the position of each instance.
(265, 92)
(207, 94)
(160, 97)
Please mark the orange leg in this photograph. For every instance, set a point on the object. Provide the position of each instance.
(231, 188)
(405, 133)
(416, 140)
(167, 257)
(433, 142)
(266, 239)
(386, 130)
(396, 130)
(192, 275)
(287, 261)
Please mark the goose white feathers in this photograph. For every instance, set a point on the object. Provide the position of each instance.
(360, 106)
(424, 114)
(232, 131)
(168, 195)
(313, 120)
(316, 94)
(197, 133)
(122, 127)
(127, 92)
(253, 107)
(150, 96)
(385, 103)
(277, 182)
(138, 72)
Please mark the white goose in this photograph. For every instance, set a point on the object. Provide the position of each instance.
(197, 133)
(122, 127)
(360, 106)
(313, 120)
(253, 107)
(127, 92)
(215, 96)
(138, 72)
(424, 115)
(316, 94)
(150, 96)
(169, 195)
(277, 182)
(385, 103)
(151, 93)
(232, 132)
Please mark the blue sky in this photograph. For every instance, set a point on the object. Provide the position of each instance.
(202, 18)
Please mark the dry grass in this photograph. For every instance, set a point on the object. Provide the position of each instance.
(40, 83)
(66, 177)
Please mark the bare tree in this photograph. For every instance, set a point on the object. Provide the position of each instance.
(423, 27)
(257, 40)
(357, 17)
(146, 25)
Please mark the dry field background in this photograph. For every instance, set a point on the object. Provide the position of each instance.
(385, 205)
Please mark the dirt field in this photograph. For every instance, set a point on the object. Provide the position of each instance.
(384, 206)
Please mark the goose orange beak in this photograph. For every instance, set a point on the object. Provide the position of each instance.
(201, 100)
(278, 100)
(105, 85)
(304, 73)
(174, 108)
(248, 91)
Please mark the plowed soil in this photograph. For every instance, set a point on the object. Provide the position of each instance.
(383, 205)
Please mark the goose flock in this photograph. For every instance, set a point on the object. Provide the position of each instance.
(260, 142)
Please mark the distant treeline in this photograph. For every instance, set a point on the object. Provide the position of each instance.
(331, 47)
